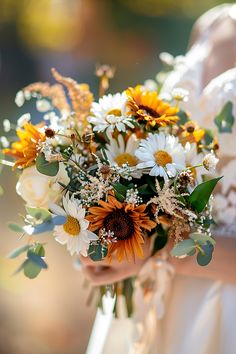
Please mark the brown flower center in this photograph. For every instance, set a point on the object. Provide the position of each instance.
(162, 158)
(120, 223)
(72, 226)
(149, 111)
(126, 158)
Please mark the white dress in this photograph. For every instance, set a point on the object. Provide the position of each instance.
(187, 314)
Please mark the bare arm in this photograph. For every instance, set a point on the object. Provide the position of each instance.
(222, 266)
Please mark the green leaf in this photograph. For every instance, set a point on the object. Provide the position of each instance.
(15, 227)
(120, 188)
(31, 270)
(201, 194)
(39, 213)
(225, 119)
(183, 248)
(160, 240)
(202, 238)
(15, 253)
(45, 167)
(151, 182)
(97, 252)
(183, 117)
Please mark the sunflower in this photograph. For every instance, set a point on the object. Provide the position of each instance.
(190, 132)
(126, 221)
(146, 107)
(26, 149)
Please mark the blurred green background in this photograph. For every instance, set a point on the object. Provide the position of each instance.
(49, 315)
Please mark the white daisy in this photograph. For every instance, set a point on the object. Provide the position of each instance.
(209, 162)
(74, 233)
(110, 113)
(194, 159)
(120, 153)
(162, 154)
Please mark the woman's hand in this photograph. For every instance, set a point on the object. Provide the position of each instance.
(103, 273)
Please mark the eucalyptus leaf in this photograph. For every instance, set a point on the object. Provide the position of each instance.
(15, 253)
(59, 220)
(97, 252)
(225, 119)
(183, 248)
(202, 238)
(37, 260)
(204, 257)
(201, 194)
(15, 227)
(39, 213)
(31, 270)
(38, 249)
(40, 228)
(45, 167)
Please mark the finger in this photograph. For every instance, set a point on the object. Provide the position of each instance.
(102, 277)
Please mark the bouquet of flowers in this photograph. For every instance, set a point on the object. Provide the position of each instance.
(104, 176)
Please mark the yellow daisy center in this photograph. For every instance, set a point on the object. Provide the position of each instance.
(115, 112)
(126, 158)
(72, 226)
(162, 158)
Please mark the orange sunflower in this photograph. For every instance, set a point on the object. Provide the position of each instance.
(26, 149)
(146, 107)
(126, 221)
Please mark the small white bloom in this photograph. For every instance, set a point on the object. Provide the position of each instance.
(25, 118)
(165, 96)
(132, 197)
(162, 155)
(150, 85)
(74, 233)
(167, 58)
(209, 162)
(161, 77)
(110, 113)
(5, 143)
(180, 94)
(20, 98)
(27, 95)
(43, 105)
(6, 125)
(194, 159)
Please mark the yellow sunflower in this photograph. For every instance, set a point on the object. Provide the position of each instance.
(146, 107)
(126, 221)
(191, 132)
(26, 149)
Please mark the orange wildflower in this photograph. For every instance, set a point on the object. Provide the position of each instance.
(191, 132)
(126, 221)
(25, 150)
